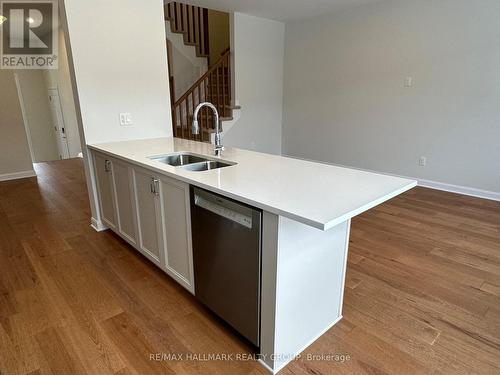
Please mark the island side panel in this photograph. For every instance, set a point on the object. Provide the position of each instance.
(269, 267)
(302, 286)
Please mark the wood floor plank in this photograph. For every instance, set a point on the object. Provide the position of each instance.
(10, 363)
(388, 317)
(97, 353)
(468, 330)
(133, 345)
(55, 351)
(474, 260)
(382, 354)
(352, 282)
(490, 288)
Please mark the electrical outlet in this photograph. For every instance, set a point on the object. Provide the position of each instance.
(125, 119)
(422, 161)
(408, 81)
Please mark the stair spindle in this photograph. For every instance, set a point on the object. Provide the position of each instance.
(223, 87)
(190, 24)
(184, 21)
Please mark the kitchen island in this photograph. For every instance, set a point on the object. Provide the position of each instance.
(307, 208)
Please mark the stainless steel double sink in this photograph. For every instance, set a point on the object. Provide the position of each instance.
(191, 162)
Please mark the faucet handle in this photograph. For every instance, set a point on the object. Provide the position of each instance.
(195, 129)
(218, 145)
(218, 150)
(217, 140)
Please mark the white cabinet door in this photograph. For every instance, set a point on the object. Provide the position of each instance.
(175, 203)
(124, 194)
(104, 179)
(147, 205)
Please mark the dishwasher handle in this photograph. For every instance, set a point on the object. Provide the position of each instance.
(225, 208)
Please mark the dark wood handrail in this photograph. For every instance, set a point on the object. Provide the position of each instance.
(213, 86)
(217, 65)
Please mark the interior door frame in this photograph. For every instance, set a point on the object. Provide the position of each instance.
(24, 116)
(61, 141)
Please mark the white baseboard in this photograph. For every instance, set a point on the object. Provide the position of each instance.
(283, 365)
(473, 192)
(458, 189)
(264, 364)
(17, 175)
(98, 225)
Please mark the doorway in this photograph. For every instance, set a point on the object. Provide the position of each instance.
(51, 135)
(48, 110)
(58, 123)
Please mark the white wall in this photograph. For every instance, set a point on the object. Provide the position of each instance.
(186, 66)
(184, 71)
(345, 100)
(258, 47)
(38, 115)
(218, 34)
(120, 65)
(61, 80)
(15, 158)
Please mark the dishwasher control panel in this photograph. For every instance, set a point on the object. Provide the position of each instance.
(225, 212)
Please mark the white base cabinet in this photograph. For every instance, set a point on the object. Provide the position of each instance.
(149, 211)
(104, 179)
(149, 221)
(125, 210)
(176, 212)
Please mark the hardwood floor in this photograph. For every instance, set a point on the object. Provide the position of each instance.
(422, 293)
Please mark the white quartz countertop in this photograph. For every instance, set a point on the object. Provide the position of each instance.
(316, 194)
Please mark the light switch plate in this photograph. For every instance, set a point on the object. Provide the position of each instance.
(125, 119)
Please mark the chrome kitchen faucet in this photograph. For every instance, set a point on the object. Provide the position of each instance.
(218, 148)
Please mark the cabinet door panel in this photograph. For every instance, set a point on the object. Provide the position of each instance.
(124, 194)
(177, 227)
(147, 216)
(104, 179)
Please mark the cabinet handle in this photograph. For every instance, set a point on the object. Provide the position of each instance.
(107, 166)
(156, 186)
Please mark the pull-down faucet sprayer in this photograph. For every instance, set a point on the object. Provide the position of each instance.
(218, 148)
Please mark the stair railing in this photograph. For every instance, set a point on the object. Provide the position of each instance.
(215, 87)
(192, 22)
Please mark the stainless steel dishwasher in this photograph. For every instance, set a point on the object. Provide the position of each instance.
(227, 259)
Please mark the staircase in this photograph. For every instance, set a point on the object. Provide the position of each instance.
(192, 22)
(213, 86)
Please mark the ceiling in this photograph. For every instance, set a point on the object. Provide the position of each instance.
(281, 10)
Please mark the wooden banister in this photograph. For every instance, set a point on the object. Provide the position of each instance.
(215, 87)
(192, 22)
(204, 76)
